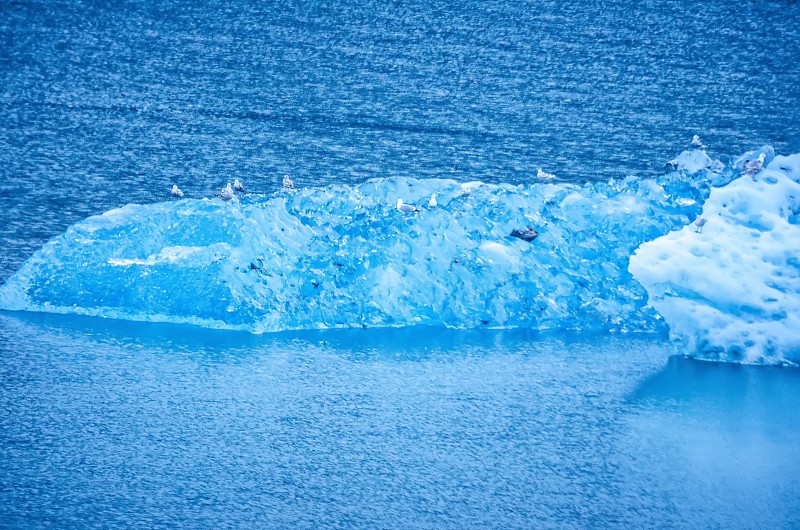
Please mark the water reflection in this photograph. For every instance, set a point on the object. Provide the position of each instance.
(725, 393)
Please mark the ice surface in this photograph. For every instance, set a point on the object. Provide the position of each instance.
(693, 161)
(345, 256)
(731, 291)
(767, 151)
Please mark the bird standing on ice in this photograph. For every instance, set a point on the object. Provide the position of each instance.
(237, 185)
(753, 167)
(699, 224)
(287, 183)
(226, 193)
(176, 191)
(697, 143)
(467, 187)
(406, 208)
(543, 175)
(432, 203)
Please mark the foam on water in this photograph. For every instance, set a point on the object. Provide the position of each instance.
(345, 256)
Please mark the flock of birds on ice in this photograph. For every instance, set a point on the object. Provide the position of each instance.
(750, 168)
(228, 193)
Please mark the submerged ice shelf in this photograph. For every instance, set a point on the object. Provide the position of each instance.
(345, 256)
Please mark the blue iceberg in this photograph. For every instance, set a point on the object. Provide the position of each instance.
(346, 256)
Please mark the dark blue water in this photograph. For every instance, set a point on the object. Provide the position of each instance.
(126, 98)
(120, 425)
(134, 425)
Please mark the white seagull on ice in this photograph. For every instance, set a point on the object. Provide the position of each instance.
(699, 223)
(752, 167)
(406, 208)
(697, 143)
(226, 193)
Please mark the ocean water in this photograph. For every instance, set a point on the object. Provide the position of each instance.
(106, 103)
(122, 424)
(127, 425)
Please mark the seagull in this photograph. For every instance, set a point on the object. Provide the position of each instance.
(287, 183)
(432, 203)
(176, 191)
(699, 223)
(467, 187)
(406, 208)
(753, 167)
(237, 185)
(543, 175)
(697, 143)
(226, 193)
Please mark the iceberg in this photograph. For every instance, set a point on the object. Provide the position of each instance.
(616, 256)
(730, 290)
(345, 256)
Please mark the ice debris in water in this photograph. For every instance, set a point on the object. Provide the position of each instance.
(543, 175)
(695, 160)
(731, 291)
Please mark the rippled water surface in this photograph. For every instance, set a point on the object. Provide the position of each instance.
(105, 103)
(134, 425)
(150, 425)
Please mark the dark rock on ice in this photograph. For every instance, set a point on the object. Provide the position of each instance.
(528, 234)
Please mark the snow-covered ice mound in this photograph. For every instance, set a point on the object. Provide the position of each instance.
(730, 289)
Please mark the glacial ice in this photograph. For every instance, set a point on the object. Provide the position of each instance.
(345, 256)
(692, 161)
(732, 291)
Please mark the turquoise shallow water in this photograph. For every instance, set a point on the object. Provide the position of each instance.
(112, 424)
